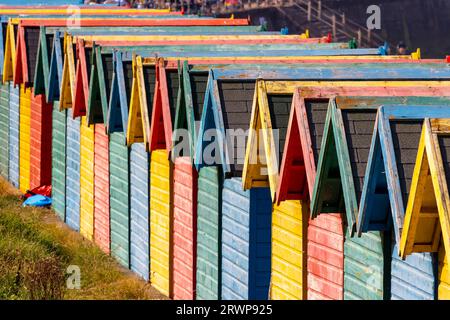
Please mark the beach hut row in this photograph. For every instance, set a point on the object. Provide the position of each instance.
(221, 161)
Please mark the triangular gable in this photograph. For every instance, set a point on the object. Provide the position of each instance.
(380, 219)
(114, 116)
(55, 71)
(9, 64)
(328, 192)
(192, 88)
(67, 90)
(341, 162)
(298, 166)
(304, 132)
(138, 126)
(20, 74)
(232, 116)
(424, 216)
(42, 65)
(26, 53)
(118, 112)
(255, 168)
(161, 122)
(40, 75)
(81, 97)
(94, 98)
(211, 134)
(392, 153)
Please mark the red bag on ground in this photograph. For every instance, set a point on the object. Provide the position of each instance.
(42, 190)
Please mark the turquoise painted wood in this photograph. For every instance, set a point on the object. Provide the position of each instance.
(139, 210)
(246, 238)
(73, 171)
(364, 267)
(59, 120)
(4, 130)
(119, 197)
(14, 136)
(209, 234)
(54, 80)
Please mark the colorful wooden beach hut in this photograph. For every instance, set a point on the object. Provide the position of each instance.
(192, 90)
(99, 66)
(271, 113)
(100, 79)
(397, 130)
(59, 130)
(41, 75)
(425, 227)
(340, 144)
(84, 51)
(190, 188)
(202, 274)
(298, 172)
(306, 74)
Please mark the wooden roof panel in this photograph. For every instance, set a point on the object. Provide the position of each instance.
(236, 101)
(316, 111)
(280, 106)
(198, 86)
(358, 126)
(405, 138)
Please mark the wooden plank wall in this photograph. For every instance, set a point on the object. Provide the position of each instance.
(161, 219)
(4, 130)
(140, 210)
(59, 119)
(73, 171)
(87, 138)
(101, 188)
(14, 134)
(24, 138)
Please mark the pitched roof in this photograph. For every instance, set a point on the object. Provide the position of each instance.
(427, 213)
(189, 106)
(389, 171)
(141, 102)
(100, 80)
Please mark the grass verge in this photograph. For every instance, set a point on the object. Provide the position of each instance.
(36, 250)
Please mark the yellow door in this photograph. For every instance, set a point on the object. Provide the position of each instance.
(86, 180)
(24, 139)
(288, 277)
(160, 221)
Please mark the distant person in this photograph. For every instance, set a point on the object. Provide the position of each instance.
(401, 48)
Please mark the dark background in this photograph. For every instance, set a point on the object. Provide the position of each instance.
(421, 24)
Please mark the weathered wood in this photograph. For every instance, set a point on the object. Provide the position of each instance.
(14, 136)
(83, 10)
(55, 22)
(24, 139)
(4, 130)
(67, 90)
(9, 54)
(161, 220)
(429, 192)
